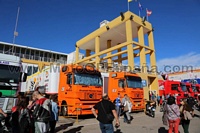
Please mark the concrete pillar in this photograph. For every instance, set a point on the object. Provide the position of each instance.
(129, 46)
(109, 53)
(77, 54)
(143, 64)
(152, 54)
(97, 50)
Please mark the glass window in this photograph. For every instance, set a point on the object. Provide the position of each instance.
(35, 69)
(87, 79)
(174, 86)
(134, 82)
(30, 70)
(9, 74)
(121, 83)
(194, 88)
(69, 79)
(183, 87)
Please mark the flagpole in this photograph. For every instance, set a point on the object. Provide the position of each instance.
(15, 31)
(139, 12)
(128, 5)
(147, 15)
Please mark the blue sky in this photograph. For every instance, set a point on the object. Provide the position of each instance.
(57, 24)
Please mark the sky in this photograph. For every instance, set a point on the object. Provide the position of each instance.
(58, 24)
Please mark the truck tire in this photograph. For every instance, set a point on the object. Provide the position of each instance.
(64, 108)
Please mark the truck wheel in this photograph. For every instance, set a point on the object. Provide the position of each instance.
(64, 109)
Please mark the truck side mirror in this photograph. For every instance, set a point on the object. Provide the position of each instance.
(23, 77)
(69, 78)
(123, 84)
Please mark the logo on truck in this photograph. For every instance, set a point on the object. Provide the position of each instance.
(91, 95)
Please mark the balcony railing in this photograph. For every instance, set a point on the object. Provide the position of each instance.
(61, 60)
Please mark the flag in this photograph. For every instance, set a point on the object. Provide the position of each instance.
(129, 0)
(149, 12)
(140, 7)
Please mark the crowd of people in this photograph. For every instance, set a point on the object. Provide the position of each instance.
(38, 114)
(176, 114)
(173, 116)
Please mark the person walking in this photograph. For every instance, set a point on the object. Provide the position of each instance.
(124, 109)
(158, 100)
(54, 113)
(41, 113)
(127, 108)
(185, 110)
(106, 109)
(20, 117)
(191, 102)
(117, 103)
(173, 114)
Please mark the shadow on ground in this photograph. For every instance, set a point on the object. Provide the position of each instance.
(162, 130)
(118, 131)
(195, 115)
(74, 130)
(64, 126)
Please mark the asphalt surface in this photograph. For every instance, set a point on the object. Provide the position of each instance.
(140, 124)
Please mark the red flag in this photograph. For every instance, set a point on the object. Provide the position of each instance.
(149, 12)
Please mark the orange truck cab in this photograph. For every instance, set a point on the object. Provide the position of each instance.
(124, 83)
(80, 88)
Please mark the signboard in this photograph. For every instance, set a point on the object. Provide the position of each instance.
(4, 62)
(9, 63)
(144, 83)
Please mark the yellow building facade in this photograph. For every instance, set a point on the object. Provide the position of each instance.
(122, 39)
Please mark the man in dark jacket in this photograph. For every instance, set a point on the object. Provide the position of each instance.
(41, 113)
(105, 107)
(191, 102)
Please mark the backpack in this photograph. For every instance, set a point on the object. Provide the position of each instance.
(24, 121)
(42, 111)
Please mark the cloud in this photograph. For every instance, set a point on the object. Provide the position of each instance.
(175, 64)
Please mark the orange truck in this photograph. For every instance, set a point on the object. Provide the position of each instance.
(124, 83)
(80, 88)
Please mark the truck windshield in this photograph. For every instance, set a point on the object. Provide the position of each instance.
(183, 87)
(194, 88)
(9, 74)
(87, 79)
(134, 82)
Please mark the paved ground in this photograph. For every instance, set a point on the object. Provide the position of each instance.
(140, 124)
